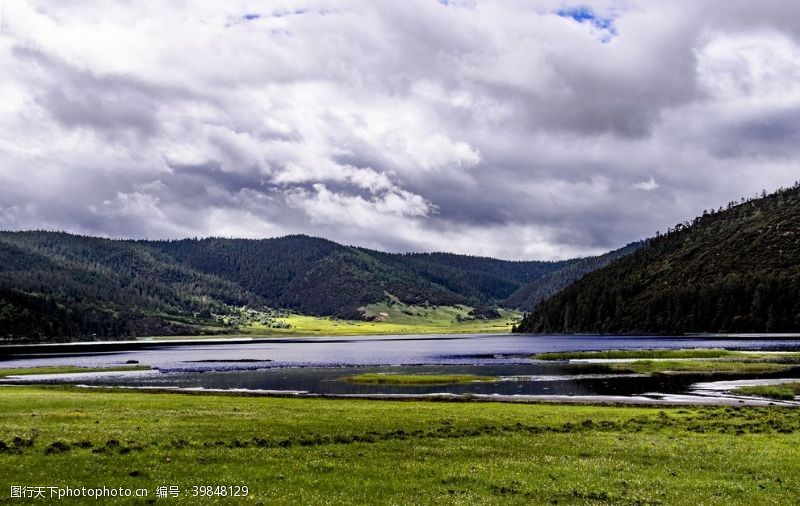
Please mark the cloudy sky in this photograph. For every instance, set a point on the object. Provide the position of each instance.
(518, 129)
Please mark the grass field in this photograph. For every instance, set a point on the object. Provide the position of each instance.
(317, 451)
(394, 318)
(67, 369)
(784, 391)
(628, 354)
(699, 366)
(312, 325)
(415, 379)
(709, 360)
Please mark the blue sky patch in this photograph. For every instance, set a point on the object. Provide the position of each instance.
(254, 16)
(458, 3)
(603, 26)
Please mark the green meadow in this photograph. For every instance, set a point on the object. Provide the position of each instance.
(699, 360)
(323, 451)
(630, 354)
(699, 366)
(783, 391)
(67, 369)
(380, 319)
(389, 318)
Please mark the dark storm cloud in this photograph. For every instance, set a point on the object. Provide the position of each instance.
(770, 133)
(78, 97)
(518, 129)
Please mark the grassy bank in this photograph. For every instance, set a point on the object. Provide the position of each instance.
(700, 360)
(315, 451)
(784, 391)
(699, 366)
(67, 369)
(415, 379)
(629, 354)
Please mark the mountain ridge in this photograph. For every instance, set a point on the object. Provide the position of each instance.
(55, 285)
(529, 295)
(731, 270)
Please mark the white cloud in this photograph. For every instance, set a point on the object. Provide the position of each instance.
(495, 128)
(324, 206)
(761, 66)
(648, 185)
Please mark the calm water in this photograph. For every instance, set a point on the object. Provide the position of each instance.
(316, 365)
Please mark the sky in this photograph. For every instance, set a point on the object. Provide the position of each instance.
(514, 129)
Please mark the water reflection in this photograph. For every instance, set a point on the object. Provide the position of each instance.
(316, 365)
(515, 379)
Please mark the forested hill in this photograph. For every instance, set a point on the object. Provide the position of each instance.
(733, 270)
(530, 294)
(317, 276)
(58, 286)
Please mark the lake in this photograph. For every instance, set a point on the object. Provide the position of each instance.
(316, 365)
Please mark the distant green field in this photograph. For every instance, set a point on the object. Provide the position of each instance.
(311, 325)
(399, 319)
(385, 318)
(322, 451)
(415, 379)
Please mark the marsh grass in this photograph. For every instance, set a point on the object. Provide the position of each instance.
(700, 360)
(699, 366)
(416, 379)
(627, 354)
(67, 369)
(322, 451)
(784, 391)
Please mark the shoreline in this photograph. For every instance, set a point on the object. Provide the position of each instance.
(693, 399)
(42, 350)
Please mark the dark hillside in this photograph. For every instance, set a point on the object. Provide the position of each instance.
(733, 270)
(60, 286)
(529, 295)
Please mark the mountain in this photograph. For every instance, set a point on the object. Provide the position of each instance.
(479, 278)
(317, 276)
(732, 270)
(543, 287)
(58, 286)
